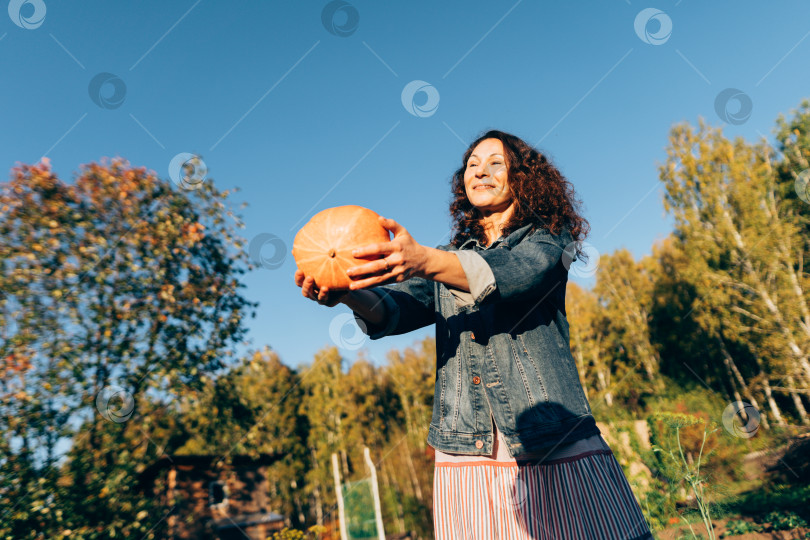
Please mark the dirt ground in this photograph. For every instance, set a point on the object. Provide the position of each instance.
(682, 531)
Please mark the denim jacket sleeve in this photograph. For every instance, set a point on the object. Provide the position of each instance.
(409, 305)
(522, 269)
(479, 277)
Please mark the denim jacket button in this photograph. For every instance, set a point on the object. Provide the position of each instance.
(476, 380)
(479, 444)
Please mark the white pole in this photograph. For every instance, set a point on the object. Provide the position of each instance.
(376, 490)
(339, 494)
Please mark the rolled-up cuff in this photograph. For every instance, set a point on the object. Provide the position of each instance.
(479, 277)
(377, 331)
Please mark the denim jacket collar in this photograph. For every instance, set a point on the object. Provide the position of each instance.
(513, 238)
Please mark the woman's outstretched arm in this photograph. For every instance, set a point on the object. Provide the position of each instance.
(366, 304)
(406, 258)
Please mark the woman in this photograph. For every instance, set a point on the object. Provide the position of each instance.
(518, 453)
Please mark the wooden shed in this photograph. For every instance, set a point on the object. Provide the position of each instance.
(212, 499)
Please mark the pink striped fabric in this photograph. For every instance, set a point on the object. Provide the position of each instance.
(583, 495)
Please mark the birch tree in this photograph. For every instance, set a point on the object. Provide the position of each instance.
(730, 222)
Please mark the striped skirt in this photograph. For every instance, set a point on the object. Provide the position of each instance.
(577, 492)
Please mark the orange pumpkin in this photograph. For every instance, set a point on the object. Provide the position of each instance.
(323, 247)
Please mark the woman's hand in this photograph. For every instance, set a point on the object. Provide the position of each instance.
(323, 296)
(404, 258)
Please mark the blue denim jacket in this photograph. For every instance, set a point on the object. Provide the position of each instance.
(502, 350)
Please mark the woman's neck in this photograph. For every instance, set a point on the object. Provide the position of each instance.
(494, 222)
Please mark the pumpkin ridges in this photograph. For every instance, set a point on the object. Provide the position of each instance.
(357, 217)
(341, 229)
(306, 236)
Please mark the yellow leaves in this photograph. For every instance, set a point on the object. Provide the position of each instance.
(107, 333)
(37, 247)
(167, 293)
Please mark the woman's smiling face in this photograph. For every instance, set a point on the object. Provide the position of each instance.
(486, 177)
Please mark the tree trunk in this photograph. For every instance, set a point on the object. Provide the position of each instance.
(603, 385)
(412, 469)
(731, 366)
(773, 309)
(797, 401)
(769, 395)
(318, 506)
(345, 462)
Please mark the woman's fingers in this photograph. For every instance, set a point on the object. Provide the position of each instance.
(392, 225)
(370, 268)
(310, 289)
(372, 251)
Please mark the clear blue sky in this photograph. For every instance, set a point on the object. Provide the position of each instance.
(301, 119)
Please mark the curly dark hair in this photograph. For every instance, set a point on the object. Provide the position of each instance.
(542, 195)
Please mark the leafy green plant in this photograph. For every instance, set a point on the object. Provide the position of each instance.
(294, 534)
(741, 526)
(785, 521)
(776, 497)
(680, 470)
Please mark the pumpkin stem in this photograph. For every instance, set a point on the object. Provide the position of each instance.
(332, 253)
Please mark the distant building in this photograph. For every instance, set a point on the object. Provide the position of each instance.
(213, 500)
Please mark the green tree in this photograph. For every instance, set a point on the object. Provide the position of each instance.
(587, 325)
(408, 466)
(119, 291)
(745, 252)
(250, 410)
(324, 406)
(624, 289)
